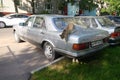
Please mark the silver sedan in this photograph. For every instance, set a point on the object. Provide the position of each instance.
(57, 33)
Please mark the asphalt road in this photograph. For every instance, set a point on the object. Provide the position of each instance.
(18, 59)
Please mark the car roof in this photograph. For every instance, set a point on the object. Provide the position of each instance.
(52, 15)
(91, 16)
(16, 14)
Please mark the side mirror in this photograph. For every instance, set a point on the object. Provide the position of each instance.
(22, 24)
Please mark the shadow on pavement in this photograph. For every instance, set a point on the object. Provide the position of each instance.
(16, 65)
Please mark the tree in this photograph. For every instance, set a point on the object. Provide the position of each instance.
(61, 4)
(32, 3)
(112, 6)
(85, 4)
(1, 3)
(16, 4)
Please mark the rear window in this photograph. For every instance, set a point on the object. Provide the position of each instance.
(61, 23)
(82, 22)
(22, 16)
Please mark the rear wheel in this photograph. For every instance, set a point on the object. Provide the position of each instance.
(49, 51)
(2, 24)
(17, 38)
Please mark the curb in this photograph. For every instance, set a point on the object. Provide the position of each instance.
(40, 68)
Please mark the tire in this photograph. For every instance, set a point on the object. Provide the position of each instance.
(17, 38)
(2, 24)
(49, 52)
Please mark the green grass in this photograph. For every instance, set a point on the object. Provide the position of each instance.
(105, 65)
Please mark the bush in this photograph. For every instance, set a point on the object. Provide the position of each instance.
(44, 12)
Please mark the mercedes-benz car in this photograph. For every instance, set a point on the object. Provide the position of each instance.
(102, 23)
(12, 19)
(57, 33)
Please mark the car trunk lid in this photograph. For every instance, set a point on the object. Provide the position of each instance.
(89, 34)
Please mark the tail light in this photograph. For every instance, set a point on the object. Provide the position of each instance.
(115, 34)
(80, 46)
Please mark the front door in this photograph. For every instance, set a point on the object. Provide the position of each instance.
(35, 32)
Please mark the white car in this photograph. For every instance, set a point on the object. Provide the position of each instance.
(12, 19)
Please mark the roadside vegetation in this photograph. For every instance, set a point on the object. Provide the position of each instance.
(105, 65)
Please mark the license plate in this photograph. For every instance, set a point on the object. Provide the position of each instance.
(96, 43)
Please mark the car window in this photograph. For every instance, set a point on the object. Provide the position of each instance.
(94, 24)
(13, 16)
(39, 22)
(105, 22)
(83, 22)
(116, 19)
(29, 22)
(60, 23)
(22, 16)
(10, 16)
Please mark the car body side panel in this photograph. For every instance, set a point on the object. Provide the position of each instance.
(54, 38)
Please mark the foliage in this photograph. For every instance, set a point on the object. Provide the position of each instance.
(61, 5)
(104, 12)
(17, 2)
(85, 4)
(44, 12)
(105, 65)
(113, 6)
(71, 1)
(32, 3)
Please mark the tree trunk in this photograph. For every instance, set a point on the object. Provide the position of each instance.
(16, 9)
(1, 3)
(33, 7)
(15, 5)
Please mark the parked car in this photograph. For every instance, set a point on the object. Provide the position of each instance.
(103, 23)
(56, 33)
(115, 19)
(12, 19)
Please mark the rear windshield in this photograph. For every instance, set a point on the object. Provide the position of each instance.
(61, 23)
(82, 22)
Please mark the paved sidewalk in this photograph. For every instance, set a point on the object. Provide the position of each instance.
(9, 67)
(16, 63)
(17, 60)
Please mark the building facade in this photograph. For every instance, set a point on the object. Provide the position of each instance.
(9, 6)
(27, 6)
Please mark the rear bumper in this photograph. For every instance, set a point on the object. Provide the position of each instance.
(84, 52)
